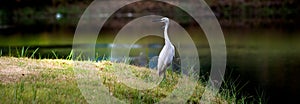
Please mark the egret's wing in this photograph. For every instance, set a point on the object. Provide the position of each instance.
(165, 58)
(160, 59)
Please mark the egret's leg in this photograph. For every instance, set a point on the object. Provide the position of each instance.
(172, 72)
(164, 78)
(172, 75)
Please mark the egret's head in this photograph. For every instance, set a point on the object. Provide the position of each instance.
(164, 19)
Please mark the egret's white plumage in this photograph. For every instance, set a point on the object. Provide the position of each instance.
(168, 51)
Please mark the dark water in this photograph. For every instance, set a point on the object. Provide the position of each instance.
(269, 60)
(266, 59)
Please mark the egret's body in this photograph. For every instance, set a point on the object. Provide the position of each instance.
(168, 51)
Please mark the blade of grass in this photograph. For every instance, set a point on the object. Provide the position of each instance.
(69, 57)
(22, 52)
(32, 55)
(55, 55)
(262, 98)
(40, 56)
(34, 90)
(18, 53)
(26, 52)
(9, 51)
(79, 56)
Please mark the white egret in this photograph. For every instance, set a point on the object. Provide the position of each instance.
(168, 51)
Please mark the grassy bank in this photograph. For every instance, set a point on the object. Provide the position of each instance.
(24, 80)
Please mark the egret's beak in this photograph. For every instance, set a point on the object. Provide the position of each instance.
(157, 20)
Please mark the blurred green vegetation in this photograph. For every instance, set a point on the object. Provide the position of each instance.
(230, 13)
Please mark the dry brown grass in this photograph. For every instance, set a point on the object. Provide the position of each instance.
(13, 69)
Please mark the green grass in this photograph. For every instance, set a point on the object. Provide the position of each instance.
(54, 54)
(38, 84)
(20, 52)
(37, 53)
(47, 80)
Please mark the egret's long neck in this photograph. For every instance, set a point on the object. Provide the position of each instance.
(167, 40)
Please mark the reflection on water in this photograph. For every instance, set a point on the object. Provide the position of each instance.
(267, 58)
